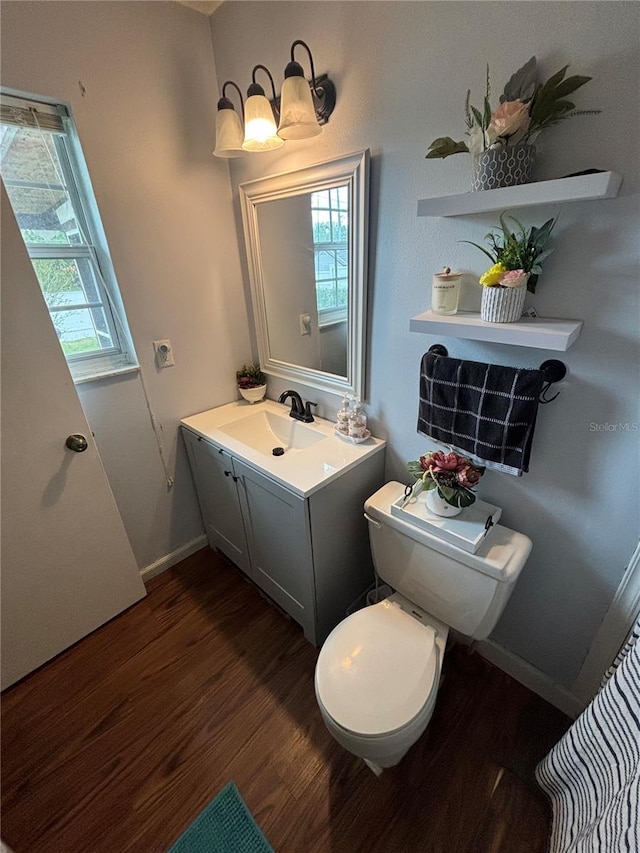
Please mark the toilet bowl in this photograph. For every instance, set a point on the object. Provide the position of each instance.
(377, 679)
(378, 672)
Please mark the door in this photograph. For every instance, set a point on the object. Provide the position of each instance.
(216, 484)
(67, 565)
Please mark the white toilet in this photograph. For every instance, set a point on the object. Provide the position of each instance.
(377, 674)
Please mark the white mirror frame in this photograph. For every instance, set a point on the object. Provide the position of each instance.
(352, 170)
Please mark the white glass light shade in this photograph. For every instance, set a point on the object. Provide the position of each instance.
(297, 113)
(229, 134)
(259, 125)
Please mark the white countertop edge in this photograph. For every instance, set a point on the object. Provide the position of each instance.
(302, 480)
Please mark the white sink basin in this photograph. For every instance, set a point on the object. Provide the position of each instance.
(266, 430)
(313, 454)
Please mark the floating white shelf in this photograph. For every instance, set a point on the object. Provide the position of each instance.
(599, 185)
(527, 332)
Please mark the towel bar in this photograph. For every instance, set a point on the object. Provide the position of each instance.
(552, 370)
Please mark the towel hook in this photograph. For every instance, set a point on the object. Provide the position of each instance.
(439, 349)
(553, 371)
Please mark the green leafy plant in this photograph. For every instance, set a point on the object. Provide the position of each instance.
(526, 108)
(250, 376)
(515, 250)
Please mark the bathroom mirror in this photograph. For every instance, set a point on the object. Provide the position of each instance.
(306, 239)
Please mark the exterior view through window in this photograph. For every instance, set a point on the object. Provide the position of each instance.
(46, 181)
(330, 219)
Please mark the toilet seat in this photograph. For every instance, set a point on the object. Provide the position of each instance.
(377, 670)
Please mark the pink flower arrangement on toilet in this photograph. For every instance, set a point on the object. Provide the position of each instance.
(453, 475)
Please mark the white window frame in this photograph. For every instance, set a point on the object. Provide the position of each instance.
(121, 357)
(337, 313)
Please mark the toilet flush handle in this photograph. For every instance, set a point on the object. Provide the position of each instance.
(372, 520)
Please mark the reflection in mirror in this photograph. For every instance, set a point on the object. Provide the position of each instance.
(306, 243)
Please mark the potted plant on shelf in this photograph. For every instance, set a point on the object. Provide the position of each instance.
(516, 257)
(501, 141)
(252, 382)
(449, 480)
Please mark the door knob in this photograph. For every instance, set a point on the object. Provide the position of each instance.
(76, 442)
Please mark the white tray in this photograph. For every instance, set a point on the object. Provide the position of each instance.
(351, 439)
(467, 530)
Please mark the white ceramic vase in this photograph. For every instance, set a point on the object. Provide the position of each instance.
(253, 395)
(502, 304)
(439, 506)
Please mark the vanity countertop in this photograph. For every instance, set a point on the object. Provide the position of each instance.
(302, 471)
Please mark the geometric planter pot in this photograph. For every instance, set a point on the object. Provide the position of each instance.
(506, 166)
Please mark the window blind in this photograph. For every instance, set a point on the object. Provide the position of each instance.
(21, 112)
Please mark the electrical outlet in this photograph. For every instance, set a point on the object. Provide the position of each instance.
(164, 353)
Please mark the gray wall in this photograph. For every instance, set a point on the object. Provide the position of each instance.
(402, 70)
(146, 127)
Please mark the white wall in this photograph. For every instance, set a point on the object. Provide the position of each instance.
(401, 71)
(146, 127)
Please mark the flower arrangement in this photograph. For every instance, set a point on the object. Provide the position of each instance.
(526, 108)
(516, 255)
(250, 376)
(453, 475)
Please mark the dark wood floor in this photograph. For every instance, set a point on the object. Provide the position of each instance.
(120, 742)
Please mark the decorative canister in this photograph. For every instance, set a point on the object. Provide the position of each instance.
(502, 304)
(445, 291)
(505, 166)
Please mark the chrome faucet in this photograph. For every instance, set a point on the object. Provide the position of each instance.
(299, 410)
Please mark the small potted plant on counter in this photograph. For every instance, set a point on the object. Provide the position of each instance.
(252, 382)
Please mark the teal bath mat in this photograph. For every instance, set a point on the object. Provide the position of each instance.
(225, 826)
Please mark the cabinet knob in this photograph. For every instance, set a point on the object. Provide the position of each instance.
(235, 479)
(199, 438)
(220, 450)
(227, 473)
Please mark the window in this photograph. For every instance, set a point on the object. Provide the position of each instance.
(47, 183)
(330, 219)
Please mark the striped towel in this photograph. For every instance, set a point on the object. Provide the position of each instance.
(592, 776)
(485, 411)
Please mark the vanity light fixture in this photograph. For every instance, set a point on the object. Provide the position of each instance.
(298, 117)
(301, 109)
(229, 132)
(259, 122)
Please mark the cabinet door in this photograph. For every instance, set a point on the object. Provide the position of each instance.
(216, 484)
(278, 533)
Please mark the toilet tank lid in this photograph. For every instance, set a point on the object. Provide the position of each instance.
(501, 557)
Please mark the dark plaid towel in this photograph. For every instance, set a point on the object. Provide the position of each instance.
(483, 410)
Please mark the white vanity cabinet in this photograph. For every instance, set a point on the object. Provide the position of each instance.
(217, 487)
(278, 530)
(309, 552)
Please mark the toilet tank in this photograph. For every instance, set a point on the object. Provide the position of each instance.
(466, 591)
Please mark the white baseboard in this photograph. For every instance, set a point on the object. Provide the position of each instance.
(171, 559)
(531, 677)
